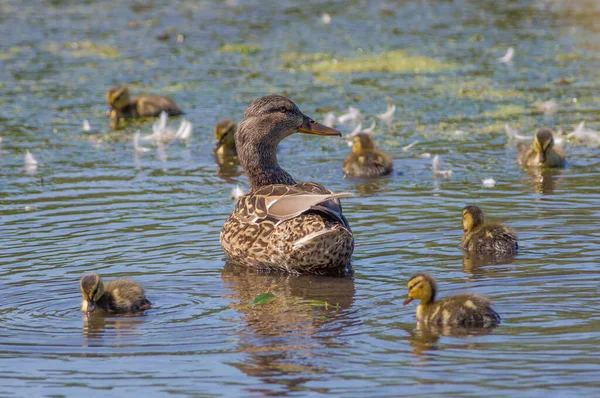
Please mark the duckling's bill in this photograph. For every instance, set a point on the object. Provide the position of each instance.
(309, 126)
(408, 300)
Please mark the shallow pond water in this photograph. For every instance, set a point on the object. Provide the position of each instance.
(92, 205)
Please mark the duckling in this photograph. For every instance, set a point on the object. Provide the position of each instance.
(486, 238)
(461, 310)
(121, 295)
(542, 152)
(366, 160)
(122, 106)
(225, 138)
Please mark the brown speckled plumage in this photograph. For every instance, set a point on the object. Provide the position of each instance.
(366, 160)
(122, 106)
(541, 152)
(458, 311)
(483, 238)
(225, 138)
(117, 296)
(282, 225)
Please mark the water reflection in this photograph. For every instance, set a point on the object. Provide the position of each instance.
(544, 180)
(96, 326)
(476, 265)
(426, 338)
(280, 336)
(366, 187)
(228, 167)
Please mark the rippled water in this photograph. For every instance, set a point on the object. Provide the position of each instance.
(92, 205)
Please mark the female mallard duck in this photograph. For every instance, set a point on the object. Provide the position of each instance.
(461, 310)
(542, 152)
(366, 160)
(486, 238)
(225, 138)
(121, 295)
(122, 106)
(280, 224)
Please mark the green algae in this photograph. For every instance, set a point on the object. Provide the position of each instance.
(85, 49)
(240, 48)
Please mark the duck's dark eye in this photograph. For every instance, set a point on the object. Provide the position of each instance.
(283, 109)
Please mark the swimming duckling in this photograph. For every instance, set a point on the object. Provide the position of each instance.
(542, 152)
(225, 138)
(366, 160)
(121, 295)
(461, 310)
(486, 238)
(122, 106)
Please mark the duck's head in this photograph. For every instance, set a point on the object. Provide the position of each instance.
(543, 141)
(472, 217)
(421, 287)
(92, 289)
(362, 141)
(270, 119)
(225, 136)
(117, 97)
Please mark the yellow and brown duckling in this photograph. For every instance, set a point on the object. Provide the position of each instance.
(458, 311)
(121, 106)
(225, 138)
(118, 296)
(542, 152)
(366, 160)
(486, 238)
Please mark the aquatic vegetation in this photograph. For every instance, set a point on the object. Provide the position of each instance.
(85, 49)
(392, 61)
(240, 48)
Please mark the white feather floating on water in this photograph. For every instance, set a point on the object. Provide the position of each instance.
(330, 120)
(136, 144)
(326, 18)
(353, 116)
(549, 107)
(370, 129)
(508, 56)
(435, 166)
(184, 133)
(488, 183)
(514, 134)
(356, 130)
(30, 163)
(425, 155)
(86, 125)
(587, 136)
(409, 146)
(162, 133)
(388, 116)
(237, 193)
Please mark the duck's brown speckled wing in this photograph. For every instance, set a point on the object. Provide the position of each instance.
(297, 228)
(278, 203)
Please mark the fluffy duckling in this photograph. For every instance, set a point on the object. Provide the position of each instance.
(366, 160)
(122, 106)
(486, 238)
(225, 138)
(461, 310)
(542, 152)
(121, 295)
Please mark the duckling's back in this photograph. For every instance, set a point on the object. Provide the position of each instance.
(124, 295)
(491, 239)
(368, 163)
(153, 105)
(461, 311)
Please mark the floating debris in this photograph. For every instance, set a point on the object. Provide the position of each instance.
(549, 107)
(409, 146)
(326, 18)
(136, 144)
(508, 56)
(514, 134)
(370, 129)
(488, 183)
(30, 163)
(585, 136)
(30, 208)
(86, 125)
(352, 117)
(262, 298)
(330, 120)
(161, 133)
(356, 130)
(237, 193)
(425, 155)
(435, 166)
(388, 116)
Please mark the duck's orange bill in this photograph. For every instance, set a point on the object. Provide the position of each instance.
(408, 300)
(309, 126)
